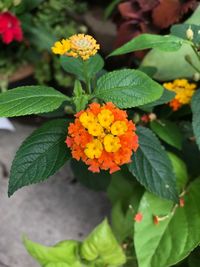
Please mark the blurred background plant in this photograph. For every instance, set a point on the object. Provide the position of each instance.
(41, 26)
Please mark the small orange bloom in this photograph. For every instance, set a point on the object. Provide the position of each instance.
(102, 137)
(181, 202)
(138, 217)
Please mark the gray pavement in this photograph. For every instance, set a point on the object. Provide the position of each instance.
(48, 212)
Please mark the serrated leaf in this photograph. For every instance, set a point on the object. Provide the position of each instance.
(94, 181)
(80, 68)
(146, 41)
(152, 167)
(196, 116)
(40, 156)
(172, 239)
(127, 88)
(102, 247)
(168, 132)
(28, 100)
(63, 254)
(166, 97)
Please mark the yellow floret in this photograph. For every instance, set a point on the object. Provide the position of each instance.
(95, 129)
(87, 118)
(111, 143)
(94, 149)
(61, 47)
(105, 118)
(119, 128)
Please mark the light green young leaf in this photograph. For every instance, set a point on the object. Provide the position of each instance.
(196, 116)
(40, 156)
(164, 61)
(152, 167)
(180, 171)
(127, 88)
(27, 100)
(80, 99)
(168, 132)
(102, 247)
(63, 254)
(81, 68)
(146, 41)
(173, 239)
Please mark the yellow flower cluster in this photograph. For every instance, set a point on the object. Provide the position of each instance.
(184, 92)
(78, 45)
(105, 130)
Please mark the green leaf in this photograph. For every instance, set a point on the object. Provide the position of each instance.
(79, 67)
(127, 88)
(168, 131)
(152, 167)
(172, 239)
(27, 100)
(40, 156)
(120, 188)
(63, 254)
(102, 247)
(196, 116)
(180, 30)
(95, 181)
(147, 41)
(80, 99)
(166, 97)
(164, 61)
(110, 8)
(180, 171)
(122, 218)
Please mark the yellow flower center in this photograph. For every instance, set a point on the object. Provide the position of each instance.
(105, 118)
(111, 143)
(95, 129)
(94, 149)
(118, 128)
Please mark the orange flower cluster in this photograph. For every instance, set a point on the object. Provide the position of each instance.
(102, 137)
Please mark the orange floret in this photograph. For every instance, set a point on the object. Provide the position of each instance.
(102, 137)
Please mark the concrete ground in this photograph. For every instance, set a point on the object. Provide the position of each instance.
(48, 212)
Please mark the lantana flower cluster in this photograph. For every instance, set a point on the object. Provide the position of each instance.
(184, 92)
(102, 137)
(10, 28)
(78, 45)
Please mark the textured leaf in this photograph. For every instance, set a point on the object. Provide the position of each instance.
(102, 247)
(127, 88)
(78, 67)
(95, 181)
(168, 131)
(165, 98)
(146, 41)
(63, 254)
(152, 167)
(40, 156)
(173, 239)
(196, 116)
(27, 100)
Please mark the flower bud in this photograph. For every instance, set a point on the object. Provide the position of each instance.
(196, 76)
(190, 34)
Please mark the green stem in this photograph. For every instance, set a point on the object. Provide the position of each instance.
(4, 85)
(87, 80)
(192, 64)
(195, 51)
